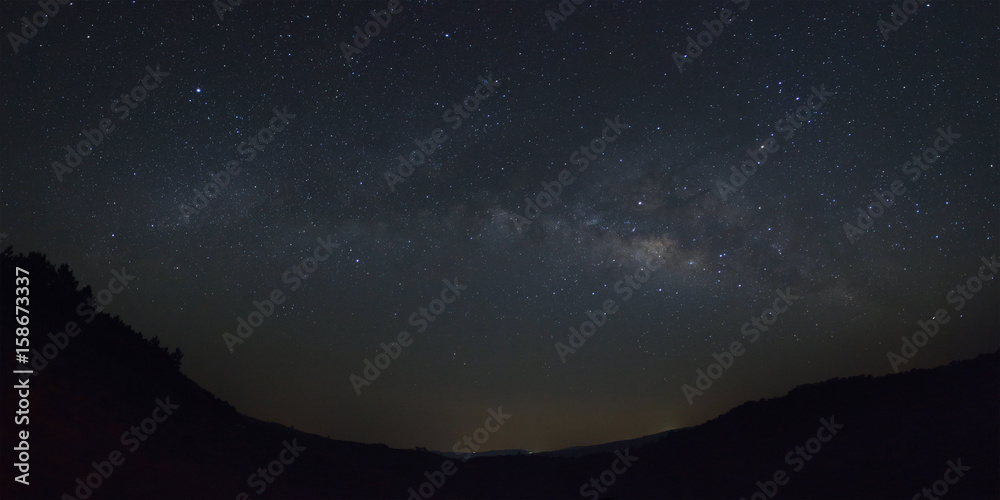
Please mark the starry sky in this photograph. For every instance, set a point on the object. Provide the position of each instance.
(651, 199)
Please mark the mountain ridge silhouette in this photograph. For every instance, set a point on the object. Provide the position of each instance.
(900, 430)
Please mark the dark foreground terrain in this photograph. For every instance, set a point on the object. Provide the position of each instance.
(860, 437)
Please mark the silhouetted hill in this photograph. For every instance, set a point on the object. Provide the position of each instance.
(582, 451)
(899, 431)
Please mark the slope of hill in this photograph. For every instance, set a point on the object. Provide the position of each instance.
(582, 451)
(112, 408)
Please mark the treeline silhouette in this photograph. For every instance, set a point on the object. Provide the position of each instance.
(899, 431)
(56, 299)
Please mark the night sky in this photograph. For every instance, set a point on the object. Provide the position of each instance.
(646, 223)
